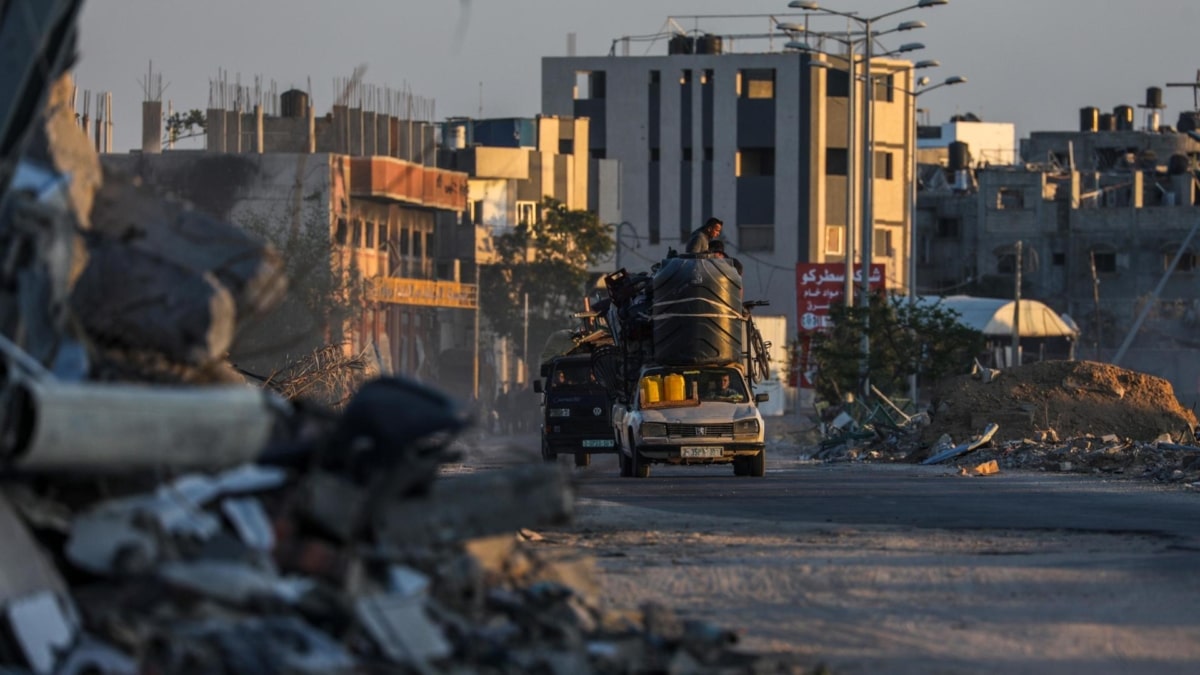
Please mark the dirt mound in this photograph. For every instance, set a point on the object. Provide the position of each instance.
(1071, 398)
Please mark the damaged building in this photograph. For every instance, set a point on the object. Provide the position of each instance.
(1106, 217)
(358, 187)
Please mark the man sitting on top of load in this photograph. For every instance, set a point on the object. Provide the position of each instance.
(698, 243)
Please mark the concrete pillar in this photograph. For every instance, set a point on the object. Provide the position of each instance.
(371, 133)
(151, 127)
(355, 116)
(258, 129)
(215, 136)
(311, 146)
(234, 144)
(341, 130)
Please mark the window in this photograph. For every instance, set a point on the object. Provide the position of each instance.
(1009, 198)
(566, 146)
(836, 162)
(477, 211)
(1006, 263)
(655, 76)
(356, 229)
(1187, 262)
(368, 235)
(687, 154)
(883, 165)
(1059, 259)
(755, 162)
(706, 77)
(882, 244)
(834, 236)
(527, 213)
(654, 154)
(708, 154)
(756, 237)
(837, 83)
(685, 77)
(599, 153)
(756, 83)
(885, 89)
(948, 228)
(342, 232)
(383, 237)
(405, 242)
(1105, 261)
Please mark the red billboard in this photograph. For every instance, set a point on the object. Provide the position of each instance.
(820, 286)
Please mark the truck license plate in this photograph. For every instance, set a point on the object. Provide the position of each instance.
(694, 451)
(598, 443)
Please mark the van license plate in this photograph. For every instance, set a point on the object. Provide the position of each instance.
(693, 451)
(598, 443)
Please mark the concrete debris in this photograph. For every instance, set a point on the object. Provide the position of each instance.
(1060, 416)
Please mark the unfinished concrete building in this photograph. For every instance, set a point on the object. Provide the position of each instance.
(358, 188)
(1106, 218)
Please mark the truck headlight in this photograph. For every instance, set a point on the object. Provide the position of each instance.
(745, 428)
(560, 412)
(654, 430)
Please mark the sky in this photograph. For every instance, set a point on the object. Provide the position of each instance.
(1034, 63)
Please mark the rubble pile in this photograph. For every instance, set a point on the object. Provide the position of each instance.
(1070, 398)
(1063, 416)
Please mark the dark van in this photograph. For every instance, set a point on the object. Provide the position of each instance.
(576, 410)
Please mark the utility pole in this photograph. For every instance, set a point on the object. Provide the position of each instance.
(525, 345)
(1015, 359)
(1096, 301)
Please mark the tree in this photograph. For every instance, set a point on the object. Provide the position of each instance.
(904, 337)
(548, 260)
(182, 125)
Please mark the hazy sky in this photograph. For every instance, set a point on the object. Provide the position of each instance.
(1030, 62)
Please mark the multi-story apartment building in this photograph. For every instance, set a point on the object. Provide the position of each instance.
(756, 139)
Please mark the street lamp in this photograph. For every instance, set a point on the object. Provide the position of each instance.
(924, 87)
(868, 211)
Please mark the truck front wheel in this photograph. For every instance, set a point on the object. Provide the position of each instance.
(583, 458)
(757, 465)
(641, 468)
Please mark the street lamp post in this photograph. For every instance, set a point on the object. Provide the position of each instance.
(922, 86)
(868, 205)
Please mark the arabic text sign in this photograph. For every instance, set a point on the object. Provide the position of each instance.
(820, 286)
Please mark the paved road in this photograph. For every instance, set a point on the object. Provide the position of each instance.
(908, 495)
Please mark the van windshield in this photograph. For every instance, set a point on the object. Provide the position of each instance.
(572, 375)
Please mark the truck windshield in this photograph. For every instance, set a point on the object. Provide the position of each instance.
(665, 387)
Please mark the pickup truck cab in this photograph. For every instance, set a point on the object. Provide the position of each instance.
(691, 415)
(576, 410)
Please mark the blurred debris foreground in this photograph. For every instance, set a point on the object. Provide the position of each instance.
(203, 526)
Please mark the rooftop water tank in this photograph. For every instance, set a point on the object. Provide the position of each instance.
(1089, 119)
(681, 44)
(293, 103)
(1123, 116)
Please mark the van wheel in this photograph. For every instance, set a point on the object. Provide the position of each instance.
(625, 464)
(641, 468)
(547, 454)
(739, 466)
(757, 464)
(583, 458)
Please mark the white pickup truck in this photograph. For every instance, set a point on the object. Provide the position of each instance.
(711, 417)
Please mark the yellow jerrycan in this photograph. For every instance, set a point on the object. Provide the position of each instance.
(674, 384)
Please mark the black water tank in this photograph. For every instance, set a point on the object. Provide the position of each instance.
(697, 312)
(708, 44)
(1154, 97)
(960, 156)
(681, 44)
(1089, 119)
(1123, 116)
(1108, 122)
(1179, 164)
(293, 103)
(1189, 120)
